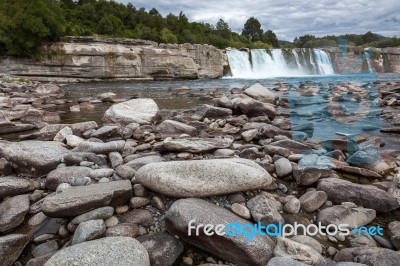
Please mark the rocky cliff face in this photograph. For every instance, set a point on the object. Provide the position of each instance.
(91, 59)
(354, 59)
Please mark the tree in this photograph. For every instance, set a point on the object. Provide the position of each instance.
(110, 25)
(223, 29)
(252, 30)
(270, 37)
(168, 36)
(369, 37)
(302, 40)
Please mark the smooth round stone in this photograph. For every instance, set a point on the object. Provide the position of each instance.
(157, 203)
(140, 191)
(99, 173)
(121, 209)
(123, 229)
(292, 205)
(241, 210)
(62, 187)
(112, 221)
(100, 213)
(104, 180)
(139, 202)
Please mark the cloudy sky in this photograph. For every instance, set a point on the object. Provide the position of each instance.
(290, 18)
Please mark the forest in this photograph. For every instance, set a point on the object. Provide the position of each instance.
(25, 25)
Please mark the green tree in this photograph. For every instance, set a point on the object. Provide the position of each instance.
(168, 36)
(252, 30)
(223, 29)
(302, 40)
(110, 25)
(270, 37)
(24, 25)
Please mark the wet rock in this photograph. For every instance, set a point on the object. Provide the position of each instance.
(100, 213)
(139, 216)
(123, 229)
(292, 249)
(107, 132)
(163, 248)
(88, 230)
(73, 175)
(171, 128)
(264, 210)
(210, 111)
(203, 178)
(194, 145)
(340, 144)
(45, 248)
(369, 256)
(287, 261)
(77, 200)
(283, 167)
(312, 200)
(368, 196)
(33, 158)
(103, 252)
(257, 251)
(136, 164)
(341, 214)
(11, 247)
(312, 167)
(100, 148)
(251, 107)
(12, 186)
(13, 211)
(141, 111)
(261, 93)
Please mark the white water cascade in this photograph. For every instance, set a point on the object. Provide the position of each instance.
(262, 63)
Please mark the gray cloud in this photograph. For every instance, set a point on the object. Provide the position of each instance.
(291, 18)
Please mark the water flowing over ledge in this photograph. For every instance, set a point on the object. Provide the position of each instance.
(263, 63)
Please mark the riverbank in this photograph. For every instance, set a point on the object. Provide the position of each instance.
(134, 179)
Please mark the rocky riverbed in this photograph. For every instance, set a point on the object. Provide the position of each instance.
(123, 191)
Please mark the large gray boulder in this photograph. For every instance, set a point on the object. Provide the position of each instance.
(371, 256)
(77, 200)
(342, 214)
(252, 107)
(261, 93)
(11, 247)
(171, 128)
(238, 250)
(13, 211)
(73, 175)
(122, 251)
(141, 111)
(12, 186)
(368, 196)
(194, 145)
(33, 158)
(203, 178)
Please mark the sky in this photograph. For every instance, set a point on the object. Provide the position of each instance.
(290, 18)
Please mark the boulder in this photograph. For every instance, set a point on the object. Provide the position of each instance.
(141, 111)
(209, 111)
(103, 252)
(88, 230)
(13, 211)
(264, 210)
(203, 178)
(194, 145)
(257, 251)
(73, 175)
(100, 213)
(312, 200)
(163, 248)
(369, 256)
(253, 108)
(261, 93)
(368, 196)
(171, 128)
(140, 162)
(342, 214)
(99, 147)
(77, 200)
(12, 186)
(33, 158)
(11, 247)
(295, 250)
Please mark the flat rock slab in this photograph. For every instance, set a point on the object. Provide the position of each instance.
(12, 186)
(13, 211)
(141, 111)
(171, 128)
(354, 217)
(77, 200)
(11, 246)
(194, 145)
(73, 175)
(238, 250)
(99, 147)
(368, 196)
(124, 251)
(203, 178)
(33, 158)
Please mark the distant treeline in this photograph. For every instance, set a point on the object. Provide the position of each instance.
(25, 25)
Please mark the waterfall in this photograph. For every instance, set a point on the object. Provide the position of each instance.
(239, 63)
(323, 62)
(262, 63)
